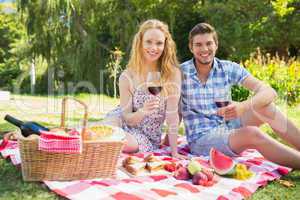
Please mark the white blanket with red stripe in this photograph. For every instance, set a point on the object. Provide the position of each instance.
(162, 186)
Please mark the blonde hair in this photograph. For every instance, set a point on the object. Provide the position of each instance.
(168, 59)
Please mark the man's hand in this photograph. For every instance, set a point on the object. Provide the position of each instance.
(232, 111)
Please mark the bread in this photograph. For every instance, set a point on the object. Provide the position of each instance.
(155, 166)
(131, 160)
(151, 158)
(136, 165)
(135, 168)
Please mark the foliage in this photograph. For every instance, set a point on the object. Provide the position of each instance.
(274, 26)
(76, 37)
(10, 33)
(283, 75)
(8, 72)
(239, 93)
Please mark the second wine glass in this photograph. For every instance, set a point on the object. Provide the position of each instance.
(222, 98)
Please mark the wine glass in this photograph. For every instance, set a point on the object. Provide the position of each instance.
(154, 83)
(154, 86)
(222, 98)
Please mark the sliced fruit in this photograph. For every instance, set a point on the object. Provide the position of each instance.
(170, 167)
(221, 163)
(241, 172)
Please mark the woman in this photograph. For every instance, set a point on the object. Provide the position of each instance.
(142, 114)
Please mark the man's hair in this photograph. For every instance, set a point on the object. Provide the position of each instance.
(203, 28)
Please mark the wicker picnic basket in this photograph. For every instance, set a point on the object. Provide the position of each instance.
(97, 160)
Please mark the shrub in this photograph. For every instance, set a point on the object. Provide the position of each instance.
(239, 93)
(282, 74)
(8, 72)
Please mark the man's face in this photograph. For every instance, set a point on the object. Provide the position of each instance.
(203, 48)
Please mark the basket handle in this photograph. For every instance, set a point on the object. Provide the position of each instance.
(85, 115)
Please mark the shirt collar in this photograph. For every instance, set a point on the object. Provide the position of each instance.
(216, 64)
(192, 68)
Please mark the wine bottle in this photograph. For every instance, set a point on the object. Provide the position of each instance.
(27, 128)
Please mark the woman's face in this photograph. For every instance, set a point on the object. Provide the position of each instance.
(153, 45)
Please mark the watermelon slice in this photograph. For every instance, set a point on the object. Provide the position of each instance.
(222, 164)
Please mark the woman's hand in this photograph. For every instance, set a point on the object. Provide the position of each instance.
(151, 106)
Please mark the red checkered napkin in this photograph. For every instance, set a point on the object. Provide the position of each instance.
(54, 142)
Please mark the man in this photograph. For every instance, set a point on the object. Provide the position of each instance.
(232, 128)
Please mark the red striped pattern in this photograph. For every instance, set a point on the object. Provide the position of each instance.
(52, 142)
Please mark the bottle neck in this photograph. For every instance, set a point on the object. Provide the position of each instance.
(13, 121)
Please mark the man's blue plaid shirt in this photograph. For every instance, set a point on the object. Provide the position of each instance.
(197, 99)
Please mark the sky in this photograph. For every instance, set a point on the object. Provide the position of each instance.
(7, 9)
(7, 1)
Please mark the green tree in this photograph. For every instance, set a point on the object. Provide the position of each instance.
(77, 36)
(274, 26)
(11, 33)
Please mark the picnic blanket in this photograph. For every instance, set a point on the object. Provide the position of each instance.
(165, 187)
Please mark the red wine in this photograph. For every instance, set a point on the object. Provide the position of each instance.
(155, 90)
(222, 103)
(27, 128)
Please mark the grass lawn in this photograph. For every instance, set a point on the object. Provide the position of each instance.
(46, 111)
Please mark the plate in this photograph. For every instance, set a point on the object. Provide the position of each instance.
(146, 173)
(117, 135)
